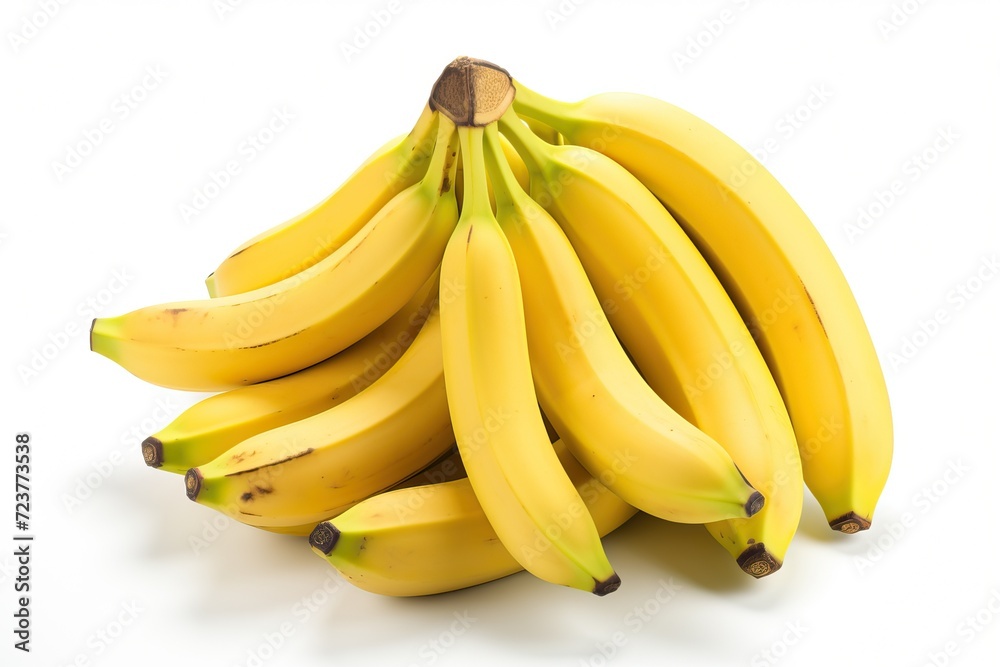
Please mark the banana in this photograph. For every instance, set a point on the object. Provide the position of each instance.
(436, 538)
(314, 468)
(609, 417)
(777, 270)
(300, 242)
(522, 488)
(704, 364)
(272, 331)
(448, 467)
(213, 425)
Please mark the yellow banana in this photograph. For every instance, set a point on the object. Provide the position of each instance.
(314, 468)
(304, 240)
(436, 538)
(211, 426)
(779, 273)
(448, 467)
(609, 417)
(279, 329)
(524, 491)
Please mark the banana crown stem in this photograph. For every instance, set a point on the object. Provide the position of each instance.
(531, 149)
(537, 106)
(506, 189)
(476, 200)
(441, 170)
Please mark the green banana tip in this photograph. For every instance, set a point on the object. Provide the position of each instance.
(324, 537)
(152, 452)
(609, 585)
(192, 483)
(757, 561)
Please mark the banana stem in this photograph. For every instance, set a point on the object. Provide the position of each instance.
(505, 184)
(441, 169)
(530, 147)
(476, 200)
(535, 105)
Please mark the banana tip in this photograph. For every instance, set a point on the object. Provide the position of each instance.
(192, 483)
(152, 452)
(850, 523)
(609, 585)
(755, 503)
(757, 561)
(324, 537)
(90, 336)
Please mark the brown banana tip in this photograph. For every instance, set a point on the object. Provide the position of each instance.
(850, 523)
(757, 561)
(324, 537)
(90, 335)
(152, 452)
(755, 503)
(609, 585)
(192, 483)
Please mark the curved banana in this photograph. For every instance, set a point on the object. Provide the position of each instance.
(448, 467)
(279, 329)
(609, 417)
(524, 491)
(300, 242)
(436, 538)
(211, 426)
(778, 271)
(704, 364)
(314, 468)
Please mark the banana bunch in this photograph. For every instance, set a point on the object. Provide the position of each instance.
(510, 330)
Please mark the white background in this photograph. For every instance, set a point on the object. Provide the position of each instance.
(114, 538)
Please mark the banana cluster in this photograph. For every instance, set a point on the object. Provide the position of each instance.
(509, 331)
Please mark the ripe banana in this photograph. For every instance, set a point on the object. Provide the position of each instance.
(448, 467)
(610, 419)
(211, 426)
(314, 468)
(436, 538)
(777, 270)
(524, 491)
(279, 329)
(300, 242)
